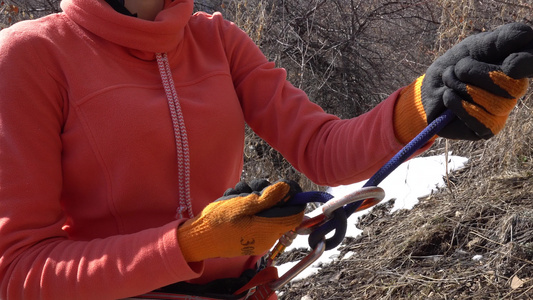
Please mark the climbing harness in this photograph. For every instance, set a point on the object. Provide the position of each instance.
(335, 212)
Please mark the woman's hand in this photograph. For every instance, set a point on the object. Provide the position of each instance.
(480, 80)
(246, 221)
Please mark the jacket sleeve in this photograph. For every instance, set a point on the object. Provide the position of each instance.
(37, 260)
(328, 150)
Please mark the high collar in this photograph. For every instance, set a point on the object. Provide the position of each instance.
(158, 36)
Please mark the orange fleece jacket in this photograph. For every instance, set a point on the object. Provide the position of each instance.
(88, 168)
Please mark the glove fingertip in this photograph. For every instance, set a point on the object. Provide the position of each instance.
(240, 188)
(259, 184)
(494, 46)
(455, 86)
(293, 185)
(229, 192)
(519, 65)
(514, 34)
(269, 197)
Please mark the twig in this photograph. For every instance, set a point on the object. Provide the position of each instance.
(486, 238)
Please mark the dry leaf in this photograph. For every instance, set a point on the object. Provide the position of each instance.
(516, 282)
(472, 243)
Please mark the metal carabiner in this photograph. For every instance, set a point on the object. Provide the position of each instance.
(371, 196)
(332, 215)
(299, 267)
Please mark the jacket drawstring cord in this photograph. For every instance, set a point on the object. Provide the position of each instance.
(180, 136)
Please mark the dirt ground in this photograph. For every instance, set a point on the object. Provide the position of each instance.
(470, 240)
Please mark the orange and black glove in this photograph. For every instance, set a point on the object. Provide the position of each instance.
(479, 80)
(248, 220)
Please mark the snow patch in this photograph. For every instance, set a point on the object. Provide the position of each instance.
(412, 180)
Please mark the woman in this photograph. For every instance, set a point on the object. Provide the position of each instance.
(120, 122)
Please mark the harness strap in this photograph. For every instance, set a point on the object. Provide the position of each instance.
(269, 274)
(255, 289)
(172, 296)
(168, 296)
(262, 292)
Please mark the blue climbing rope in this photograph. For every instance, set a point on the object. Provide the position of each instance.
(407, 151)
(338, 221)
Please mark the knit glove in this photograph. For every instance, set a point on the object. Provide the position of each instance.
(248, 220)
(479, 80)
